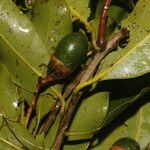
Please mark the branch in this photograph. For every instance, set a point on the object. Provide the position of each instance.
(57, 106)
(65, 121)
(91, 67)
(101, 41)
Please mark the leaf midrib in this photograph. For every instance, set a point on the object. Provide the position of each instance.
(102, 75)
(23, 59)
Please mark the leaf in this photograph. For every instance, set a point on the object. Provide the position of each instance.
(40, 139)
(10, 112)
(88, 117)
(52, 20)
(119, 105)
(5, 146)
(117, 13)
(8, 140)
(122, 94)
(14, 133)
(23, 135)
(128, 3)
(21, 48)
(8, 106)
(79, 145)
(49, 138)
(8, 96)
(91, 113)
(44, 105)
(133, 60)
(134, 123)
(79, 7)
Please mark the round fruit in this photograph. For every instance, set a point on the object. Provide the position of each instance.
(125, 143)
(72, 50)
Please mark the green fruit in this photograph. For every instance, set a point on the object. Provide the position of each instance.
(72, 50)
(125, 143)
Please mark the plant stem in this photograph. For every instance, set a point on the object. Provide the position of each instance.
(65, 121)
(101, 41)
(55, 109)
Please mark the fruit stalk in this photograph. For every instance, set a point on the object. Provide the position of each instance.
(65, 121)
(70, 52)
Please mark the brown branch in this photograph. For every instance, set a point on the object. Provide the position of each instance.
(101, 41)
(55, 109)
(40, 87)
(82, 77)
(65, 121)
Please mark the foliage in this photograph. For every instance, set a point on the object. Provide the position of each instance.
(117, 104)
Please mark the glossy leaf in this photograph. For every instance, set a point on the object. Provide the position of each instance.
(23, 135)
(91, 112)
(46, 101)
(15, 134)
(134, 124)
(119, 105)
(80, 8)
(8, 95)
(122, 95)
(52, 20)
(8, 108)
(27, 42)
(12, 133)
(88, 117)
(44, 105)
(21, 48)
(133, 60)
(8, 140)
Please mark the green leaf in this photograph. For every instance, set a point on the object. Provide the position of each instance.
(23, 135)
(8, 108)
(117, 13)
(91, 113)
(128, 3)
(135, 125)
(8, 140)
(8, 95)
(48, 141)
(88, 117)
(119, 105)
(44, 105)
(122, 94)
(52, 20)
(80, 7)
(21, 48)
(134, 59)
(12, 133)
